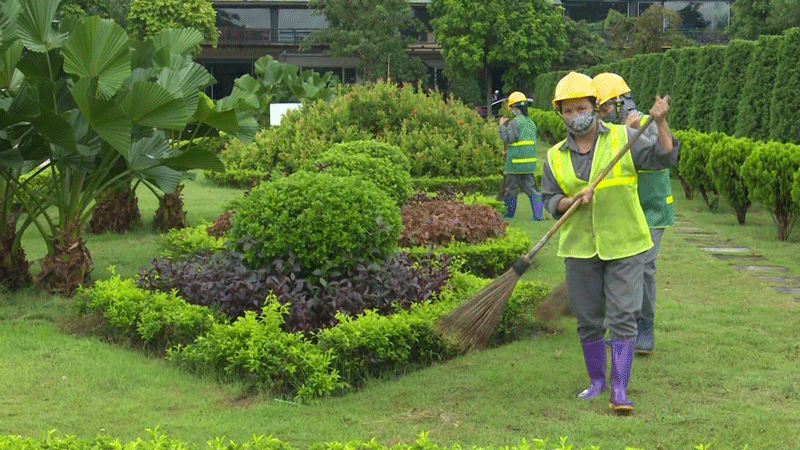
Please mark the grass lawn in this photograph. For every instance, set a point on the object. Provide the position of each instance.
(725, 370)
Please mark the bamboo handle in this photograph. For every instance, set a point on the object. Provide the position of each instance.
(574, 207)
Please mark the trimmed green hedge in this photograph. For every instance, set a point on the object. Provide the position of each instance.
(488, 259)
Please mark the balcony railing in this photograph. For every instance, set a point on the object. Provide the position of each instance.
(242, 35)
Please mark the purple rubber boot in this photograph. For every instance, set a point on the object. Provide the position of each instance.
(621, 360)
(594, 354)
(511, 206)
(537, 207)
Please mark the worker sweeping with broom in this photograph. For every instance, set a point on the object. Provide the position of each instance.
(604, 240)
(655, 196)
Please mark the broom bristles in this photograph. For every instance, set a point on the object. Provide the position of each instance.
(471, 324)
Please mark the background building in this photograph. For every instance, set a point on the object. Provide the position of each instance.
(252, 29)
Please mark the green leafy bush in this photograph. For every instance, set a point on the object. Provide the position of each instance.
(376, 149)
(157, 320)
(488, 259)
(467, 185)
(440, 138)
(387, 176)
(256, 351)
(769, 172)
(190, 241)
(323, 220)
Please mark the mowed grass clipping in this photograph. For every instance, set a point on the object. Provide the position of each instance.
(725, 370)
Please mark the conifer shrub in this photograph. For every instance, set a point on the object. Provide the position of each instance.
(707, 68)
(387, 176)
(769, 172)
(692, 165)
(731, 85)
(683, 88)
(753, 117)
(325, 221)
(645, 94)
(666, 73)
(725, 159)
(785, 106)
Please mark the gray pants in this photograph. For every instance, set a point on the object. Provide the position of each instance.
(648, 312)
(515, 180)
(605, 295)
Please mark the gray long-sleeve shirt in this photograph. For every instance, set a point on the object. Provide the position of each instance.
(509, 132)
(646, 152)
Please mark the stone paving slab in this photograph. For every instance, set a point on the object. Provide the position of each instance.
(728, 257)
(757, 268)
(727, 249)
(777, 279)
(791, 290)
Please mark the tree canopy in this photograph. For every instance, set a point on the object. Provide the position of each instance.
(752, 18)
(376, 31)
(522, 37)
(147, 18)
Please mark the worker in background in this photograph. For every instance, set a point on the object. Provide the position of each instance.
(519, 135)
(655, 196)
(604, 241)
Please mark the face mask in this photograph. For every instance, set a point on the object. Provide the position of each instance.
(580, 124)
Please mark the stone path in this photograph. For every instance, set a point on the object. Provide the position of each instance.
(743, 259)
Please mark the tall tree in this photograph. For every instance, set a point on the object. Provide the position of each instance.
(749, 19)
(524, 37)
(586, 48)
(147, 18)
(783, 14)
(376, 31)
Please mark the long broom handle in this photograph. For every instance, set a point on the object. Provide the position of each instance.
(574, 207)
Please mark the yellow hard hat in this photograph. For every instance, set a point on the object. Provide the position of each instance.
(609, 85)
(573, 85)
(516, 97)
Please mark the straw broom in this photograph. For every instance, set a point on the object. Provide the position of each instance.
(471, 324)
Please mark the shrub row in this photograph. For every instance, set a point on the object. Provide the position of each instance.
(747, 88)
(743, 171)
(258, 442)
(256, 351)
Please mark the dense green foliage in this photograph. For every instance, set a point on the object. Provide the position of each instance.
(730, 90)
(524, 37)
(683, 87)
(327, 222)
(725, 159)
(148, 18)
(377, 32)
(769, 172)
(753, 118)
(440, 138)
(488, 259)
(692, 165)
(391, 179)
(709, 62)
(783, 118)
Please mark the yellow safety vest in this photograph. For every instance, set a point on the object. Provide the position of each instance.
(612, 225)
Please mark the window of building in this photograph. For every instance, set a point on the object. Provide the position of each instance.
(243, 24)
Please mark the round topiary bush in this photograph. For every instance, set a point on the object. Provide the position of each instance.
(391, 179)
(327, 222)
